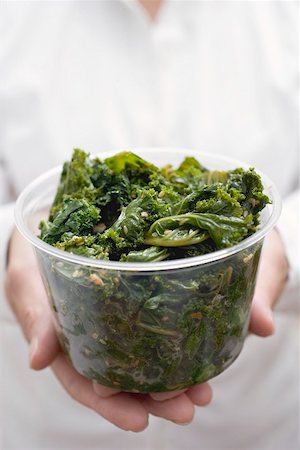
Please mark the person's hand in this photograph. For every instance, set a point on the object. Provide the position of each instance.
(271, 279)
(27, 297)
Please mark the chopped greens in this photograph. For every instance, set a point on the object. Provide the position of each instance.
(125, 204)
(158, 330)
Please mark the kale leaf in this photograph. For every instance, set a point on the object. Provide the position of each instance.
(189, 229)
(76, 216)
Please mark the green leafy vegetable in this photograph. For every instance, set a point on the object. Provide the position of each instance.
(125, 204)
(188, 229)
(157, 330)
(76, 217)
(153, 254)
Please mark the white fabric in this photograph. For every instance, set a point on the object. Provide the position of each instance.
(289, 226)
(216, 76)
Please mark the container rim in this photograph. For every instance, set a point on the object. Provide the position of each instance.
(150, 266)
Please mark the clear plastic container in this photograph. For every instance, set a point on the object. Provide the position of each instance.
(148, 327)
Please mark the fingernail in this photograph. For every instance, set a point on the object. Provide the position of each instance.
(181, 423)
(33, 347)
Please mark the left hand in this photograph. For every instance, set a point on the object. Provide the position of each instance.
(271, 279)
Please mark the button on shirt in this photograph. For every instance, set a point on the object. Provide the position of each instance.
(214, 76)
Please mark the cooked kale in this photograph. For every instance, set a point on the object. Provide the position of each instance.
(161, 330)
(125, 203)
(76, 217)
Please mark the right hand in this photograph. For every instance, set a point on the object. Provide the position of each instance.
(27, 297)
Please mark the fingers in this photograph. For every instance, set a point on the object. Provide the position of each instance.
(179, 409)
(123, 410)
(162, 396)
(178, 406)
(271, 279)
(262, 321)
(130, 411)
(200, 395)
(44, 345)
(27, 297)
(104, 391)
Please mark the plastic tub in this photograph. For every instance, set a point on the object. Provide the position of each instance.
(148, 327)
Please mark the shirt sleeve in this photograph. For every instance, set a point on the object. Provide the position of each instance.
(6, 227)
(289, 229)
(7, 206)
(6, 216)
(7, 197)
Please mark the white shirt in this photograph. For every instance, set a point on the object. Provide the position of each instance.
(215, 76)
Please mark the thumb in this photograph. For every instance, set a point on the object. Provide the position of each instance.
(272, 276)
(27, 297)
(262, 320)
(43, 342)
